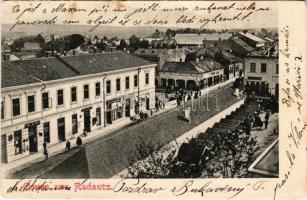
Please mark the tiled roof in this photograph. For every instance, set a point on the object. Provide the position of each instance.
(22, 72)
(11, 77)
(104, 62)
(269, 50)
(207, 65)
(149, 52)
(179, 67)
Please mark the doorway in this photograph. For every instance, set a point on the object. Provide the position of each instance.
(127, 107)
(32, 139)
(147, 103)
(87, 120)
(61, 129)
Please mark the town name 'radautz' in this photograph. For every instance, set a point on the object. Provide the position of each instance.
(90, 186)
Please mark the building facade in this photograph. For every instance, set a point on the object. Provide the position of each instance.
(261, 71)
(190, 75)
(35, 109)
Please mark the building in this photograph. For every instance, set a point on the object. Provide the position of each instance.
(251, 39)
(261, 70)
(192, 75)
(55, 99)
(190, 41)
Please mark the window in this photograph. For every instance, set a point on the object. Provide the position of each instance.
(17, 142)
(2, 110)
(108, 87)
(98, 116)
(16, 107)
(253, 67)
(45, 100)
(118, 84)
(60, 97)
(46, 132)
(277, 69)
(73, 91)
(97, 86)
(263, 67)
(31, 103)
(127, 83)
(85, 92)
(74, 119)
(135, 80)
(147, 78)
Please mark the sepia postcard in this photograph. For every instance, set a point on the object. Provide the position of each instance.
(153, 99)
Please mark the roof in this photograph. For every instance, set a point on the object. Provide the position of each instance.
(216, 36)
(104, 62)
(21, 72)
(189, 39)
(31, 46)
(252, 37)
(243, 46)
(267, 163)
(229, 56)
(149, 52)
(198, 39)
(269, 50)
(195, 67)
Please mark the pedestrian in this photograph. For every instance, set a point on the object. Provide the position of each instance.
(79, 141)
(45, 150)
(67, 145)
(84, 132)
(266, 120)
(163, 105)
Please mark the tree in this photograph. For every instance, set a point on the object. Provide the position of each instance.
(75, 40)
(134, 42)
(122, 44)
(151, 161)
(144, 44)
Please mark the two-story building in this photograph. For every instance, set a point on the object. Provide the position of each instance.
(55, 99)
(261, 70)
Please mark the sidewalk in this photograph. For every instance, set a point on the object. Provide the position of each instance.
(60, 147)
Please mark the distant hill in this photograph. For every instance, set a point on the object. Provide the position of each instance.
(121, 32)
(110, 31)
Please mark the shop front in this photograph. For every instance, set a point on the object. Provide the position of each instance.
(33, 137)
(114, 110)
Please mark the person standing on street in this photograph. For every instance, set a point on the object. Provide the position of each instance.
(79, 141)
(266, 120)
(45, 150)
(67, 145)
